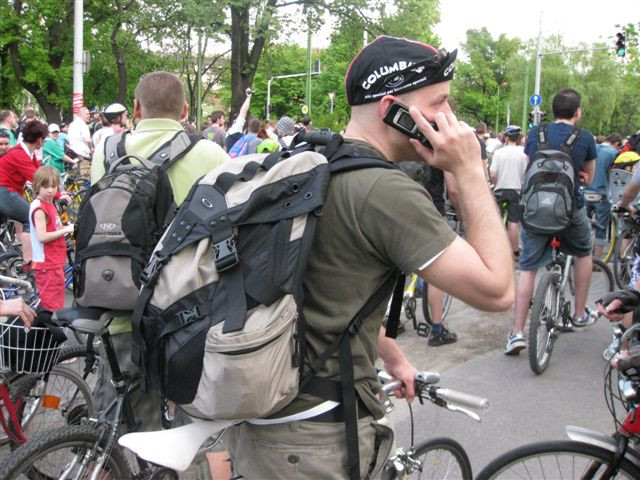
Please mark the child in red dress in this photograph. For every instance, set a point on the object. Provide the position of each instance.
(47, 239)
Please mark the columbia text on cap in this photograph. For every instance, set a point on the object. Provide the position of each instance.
(390, 65)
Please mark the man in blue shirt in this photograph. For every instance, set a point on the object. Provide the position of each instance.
(597, 194)
(576, 239)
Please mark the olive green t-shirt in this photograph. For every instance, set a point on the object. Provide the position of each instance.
(375, 221)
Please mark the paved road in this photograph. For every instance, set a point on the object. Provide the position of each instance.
(524, 407)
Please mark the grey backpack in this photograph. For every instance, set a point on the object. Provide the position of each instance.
(120, 220)
(547, 190)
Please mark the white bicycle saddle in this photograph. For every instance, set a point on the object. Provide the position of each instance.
(174, 448)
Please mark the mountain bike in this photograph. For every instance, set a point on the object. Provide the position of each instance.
(588, 454)
(551, 310)
(90, 449)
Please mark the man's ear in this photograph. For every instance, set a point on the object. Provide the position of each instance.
(137, 113)
(185, 111)
(385, 103)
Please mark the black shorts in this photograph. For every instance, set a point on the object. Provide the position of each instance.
(512, 197)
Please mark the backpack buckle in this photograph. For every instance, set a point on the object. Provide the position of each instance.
(187, 316)
(226, 254)
(151, 272)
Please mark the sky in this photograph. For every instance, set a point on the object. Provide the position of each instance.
(576, 20)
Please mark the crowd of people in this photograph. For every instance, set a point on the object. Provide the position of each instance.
(391, 223)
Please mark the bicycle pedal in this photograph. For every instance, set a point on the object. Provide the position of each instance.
(423, 329)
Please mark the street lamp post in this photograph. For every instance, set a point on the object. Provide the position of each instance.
(331, 97)
(281, 76)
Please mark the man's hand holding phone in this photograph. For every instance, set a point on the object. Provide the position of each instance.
(455, 146)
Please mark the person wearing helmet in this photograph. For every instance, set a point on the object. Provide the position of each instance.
(114, 120)
(506, 172)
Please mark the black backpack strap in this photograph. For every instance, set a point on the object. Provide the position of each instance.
(344, 391)
(114, 149)
(173, 150)
(393, 322)
(543, 137)
(570, 141)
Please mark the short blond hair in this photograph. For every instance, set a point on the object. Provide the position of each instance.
(45, 176)
(160, 95)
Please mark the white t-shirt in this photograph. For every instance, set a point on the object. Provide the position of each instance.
(78, 135)
(509, 164)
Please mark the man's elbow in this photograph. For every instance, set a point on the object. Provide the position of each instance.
(502, 302)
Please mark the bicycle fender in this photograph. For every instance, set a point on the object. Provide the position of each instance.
(597, 439)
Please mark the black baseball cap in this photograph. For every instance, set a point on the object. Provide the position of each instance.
(391, 65)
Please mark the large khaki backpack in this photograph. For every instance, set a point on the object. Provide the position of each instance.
(219, 326)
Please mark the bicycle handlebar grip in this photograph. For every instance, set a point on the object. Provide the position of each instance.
(461, 399)
(428, 377)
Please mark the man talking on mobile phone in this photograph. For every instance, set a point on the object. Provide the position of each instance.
(375, 222)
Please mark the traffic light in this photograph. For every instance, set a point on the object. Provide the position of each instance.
(620, 44)
(531, 119)
(543, 115)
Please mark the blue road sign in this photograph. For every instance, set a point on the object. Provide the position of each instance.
(535, 100)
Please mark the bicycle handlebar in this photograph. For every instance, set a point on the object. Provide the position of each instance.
(461, 399)
(445, 397)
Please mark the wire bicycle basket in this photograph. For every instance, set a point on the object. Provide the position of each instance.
(27, 351)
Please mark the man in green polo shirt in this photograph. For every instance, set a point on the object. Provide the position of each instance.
(159, 107)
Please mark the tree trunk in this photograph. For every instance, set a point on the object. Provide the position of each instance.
(51, 111)
(243, 62)
(122, 68)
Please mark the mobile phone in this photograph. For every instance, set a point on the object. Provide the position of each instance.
(398, 117)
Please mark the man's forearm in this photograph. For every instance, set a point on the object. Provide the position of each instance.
(484, 230)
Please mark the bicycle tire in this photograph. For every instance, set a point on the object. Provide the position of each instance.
(623, 260)
(442, 458)
(613, 229)
(426, 312)
(74, 402)
(543, 322)
(46, 456)
(74, 358)
(601, 269)
(546, 460)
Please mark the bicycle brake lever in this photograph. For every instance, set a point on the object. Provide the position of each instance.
(471, 414)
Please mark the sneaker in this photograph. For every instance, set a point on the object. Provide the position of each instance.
(515, 343)
(589, 318)
(445, 337)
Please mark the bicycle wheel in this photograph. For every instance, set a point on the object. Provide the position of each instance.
(441, 458)
(542, 326)
(612, 236)
(556, 459)
(601, 276)
(426, 311)
(75, 358)
(63, 398)
(623, 260)
(73, 450)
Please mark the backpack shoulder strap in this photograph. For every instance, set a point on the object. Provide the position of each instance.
(173, 150)
(543, 137)
(114, 148)
(352, 156)
(570, 141)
